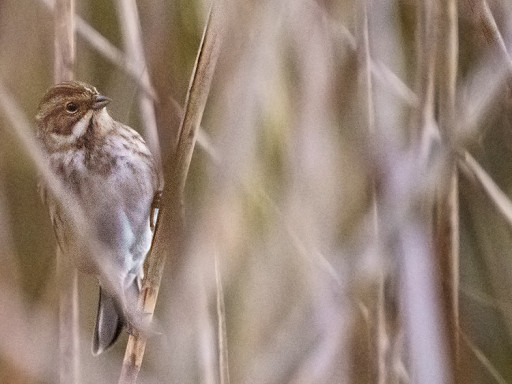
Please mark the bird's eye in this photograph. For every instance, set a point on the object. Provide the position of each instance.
(71, 107)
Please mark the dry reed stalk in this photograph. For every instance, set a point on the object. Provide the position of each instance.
(409, 177)
(130, 25)
(446, 230)
(378, 337)
(425, 71)
(427, 47)
(168, 231)
(221, 331)
(64, 13)
(67, 277)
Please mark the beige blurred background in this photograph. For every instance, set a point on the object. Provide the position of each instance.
(286, 200)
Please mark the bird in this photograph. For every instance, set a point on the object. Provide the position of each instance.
(111, 178)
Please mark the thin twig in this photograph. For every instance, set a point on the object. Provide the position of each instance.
(66, 273)
(166, 242)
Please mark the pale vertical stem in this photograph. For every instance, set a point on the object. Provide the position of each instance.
(68, 320)
(378, 337)
(381, 334)
(64, 12)
(447, 204)
(425, 53)
(363, 51)
(421, 307)
(168, 231)
(447, 64)
(221, 331)
(130, 25)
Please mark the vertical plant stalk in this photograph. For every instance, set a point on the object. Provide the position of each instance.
(376, 322)
(168, 232)
(68, 320)
(425, 53)
(130, 24)
(64, 12)
(221, 331)
(423, 312)
(447, 204)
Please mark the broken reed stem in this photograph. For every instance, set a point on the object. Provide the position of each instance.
(64, 12)
(168, 231)
(447, 202)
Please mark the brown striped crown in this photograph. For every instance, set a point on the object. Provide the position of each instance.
(63, 106)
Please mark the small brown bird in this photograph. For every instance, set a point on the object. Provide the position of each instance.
(108, 169)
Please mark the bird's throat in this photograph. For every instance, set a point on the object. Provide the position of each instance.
(86, 141)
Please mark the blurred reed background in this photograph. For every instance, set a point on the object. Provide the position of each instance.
(349, 189)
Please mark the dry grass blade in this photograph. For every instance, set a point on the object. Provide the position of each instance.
(67, 277)
(475, 173)
(166, 242)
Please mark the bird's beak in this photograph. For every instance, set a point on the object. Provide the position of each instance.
(99, 101)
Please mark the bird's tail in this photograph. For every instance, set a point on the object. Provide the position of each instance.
(109, 323)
